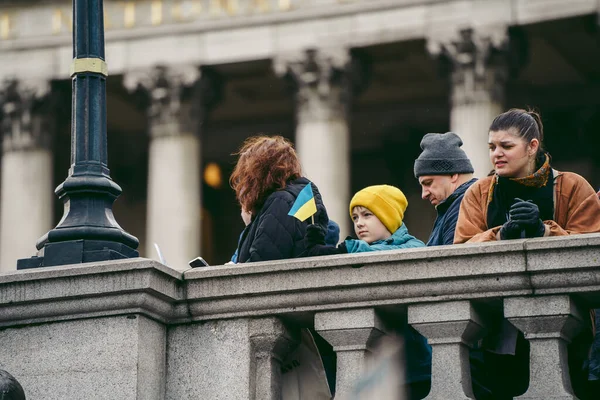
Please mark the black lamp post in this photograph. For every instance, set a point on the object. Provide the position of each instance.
(88, 230)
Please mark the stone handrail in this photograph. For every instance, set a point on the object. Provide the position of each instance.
(74, 329)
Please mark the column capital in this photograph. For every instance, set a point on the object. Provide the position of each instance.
(324, 80)
(24, 116)
(176, 98)
(479, 61)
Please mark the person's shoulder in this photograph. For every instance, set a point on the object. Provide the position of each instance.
(571, 182)
(481, 186)
(281, 195)
(279, 198)
(570, 177)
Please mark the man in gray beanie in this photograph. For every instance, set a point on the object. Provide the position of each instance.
(445, 173)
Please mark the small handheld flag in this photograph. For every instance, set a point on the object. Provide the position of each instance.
(305, 205)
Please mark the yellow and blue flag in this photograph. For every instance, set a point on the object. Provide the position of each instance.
(305, 205)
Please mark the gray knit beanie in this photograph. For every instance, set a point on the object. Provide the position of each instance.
(442, 155)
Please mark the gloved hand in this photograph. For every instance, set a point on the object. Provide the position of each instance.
(315, 243)
(526, 214)
(314, 235)
(510, 230)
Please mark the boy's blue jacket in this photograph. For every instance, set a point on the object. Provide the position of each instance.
(418, 351)
(400, 239)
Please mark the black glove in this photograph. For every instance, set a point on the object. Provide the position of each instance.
(315, 243)
(314, 235)
(510, 230)
(527, 215)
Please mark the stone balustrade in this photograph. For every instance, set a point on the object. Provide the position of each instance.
(135, 329)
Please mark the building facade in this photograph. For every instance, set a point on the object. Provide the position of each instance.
(354, 83)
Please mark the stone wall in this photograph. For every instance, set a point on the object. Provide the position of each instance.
(135, 329)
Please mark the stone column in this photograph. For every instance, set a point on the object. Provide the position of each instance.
(27, 172)
(353, 334)
(478, 67)
(270, 342)
(450, 328)
(549, 323)
(177, 100)
(322, 83)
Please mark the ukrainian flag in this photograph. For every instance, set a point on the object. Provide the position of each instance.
(305, 205)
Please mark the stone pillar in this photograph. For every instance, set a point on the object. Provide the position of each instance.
(270, 342)
(27, 172)
(322, 82)
(549, 323)
(478, 67)
(450, 328)
(177, 101)
(353, 334)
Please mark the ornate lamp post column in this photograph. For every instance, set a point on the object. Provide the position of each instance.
(88, 230)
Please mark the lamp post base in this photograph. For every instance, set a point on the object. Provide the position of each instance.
(77, 252)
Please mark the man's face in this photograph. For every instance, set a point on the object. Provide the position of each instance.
(437, 188)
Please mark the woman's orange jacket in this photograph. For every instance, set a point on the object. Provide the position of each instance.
(576, 209)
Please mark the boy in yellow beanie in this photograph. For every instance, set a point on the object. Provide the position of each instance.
(377, 213)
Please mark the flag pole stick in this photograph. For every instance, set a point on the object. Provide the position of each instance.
(312, 219)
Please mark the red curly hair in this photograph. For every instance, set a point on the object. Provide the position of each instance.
(265, 165)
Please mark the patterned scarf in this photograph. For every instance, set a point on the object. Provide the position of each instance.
(538, 179)
(537, 187)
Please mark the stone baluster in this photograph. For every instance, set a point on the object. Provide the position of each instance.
(549, 323)
(450, 328)
(270, 342)
(177, 100)
(353, 334)
(27, 172)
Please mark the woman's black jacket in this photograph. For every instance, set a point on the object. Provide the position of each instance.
(273, 234)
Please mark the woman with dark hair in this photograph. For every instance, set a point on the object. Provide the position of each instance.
(525, 197)
(267, 180)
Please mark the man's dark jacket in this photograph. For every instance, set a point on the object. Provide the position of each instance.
(273, 234)
(447, 210)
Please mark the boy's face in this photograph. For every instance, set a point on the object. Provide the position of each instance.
(367, 226)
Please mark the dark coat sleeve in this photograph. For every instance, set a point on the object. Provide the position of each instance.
(277, 233)
(324, 250)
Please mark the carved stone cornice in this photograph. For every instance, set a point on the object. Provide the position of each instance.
(24, 114)
(176, 99)
(479, 62)
(324, 81)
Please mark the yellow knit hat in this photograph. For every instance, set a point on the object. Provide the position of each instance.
(388, 203)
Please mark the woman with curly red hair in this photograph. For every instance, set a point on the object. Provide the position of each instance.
(267, 180)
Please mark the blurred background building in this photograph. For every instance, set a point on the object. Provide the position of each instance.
(354, 83)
